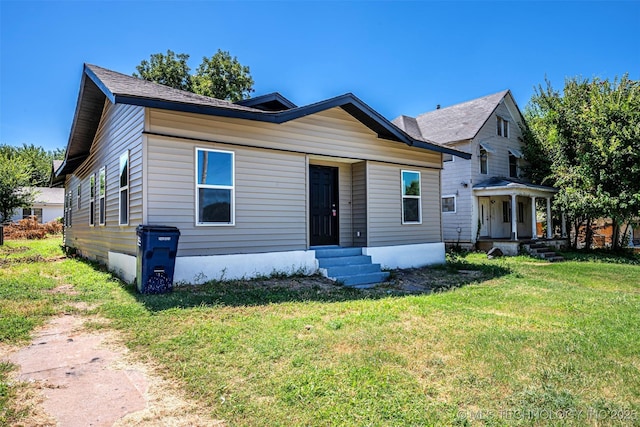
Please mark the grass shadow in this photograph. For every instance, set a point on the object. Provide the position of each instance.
(279, 290)
(603, 256)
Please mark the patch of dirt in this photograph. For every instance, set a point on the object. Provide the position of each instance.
(6, 250)
(75, 377)
(63, 289)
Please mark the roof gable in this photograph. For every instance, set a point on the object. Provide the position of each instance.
(462, 121)
(269, 102)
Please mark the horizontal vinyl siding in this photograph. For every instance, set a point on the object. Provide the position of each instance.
(498, 162)
(454, 173)
(120, 129)
(385, 207)
(330, 133)
(270, 199)
(359, 209)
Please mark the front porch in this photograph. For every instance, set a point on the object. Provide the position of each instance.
(506, 212)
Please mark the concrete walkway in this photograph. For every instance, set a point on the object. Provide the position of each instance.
(87, 379)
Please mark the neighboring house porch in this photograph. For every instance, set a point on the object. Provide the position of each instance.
(506, 208)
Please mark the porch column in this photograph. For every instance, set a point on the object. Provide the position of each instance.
(534, 220)
(564, 224)
(549, 223)
(514, 218)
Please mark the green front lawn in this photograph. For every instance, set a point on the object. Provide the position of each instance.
(528, 343)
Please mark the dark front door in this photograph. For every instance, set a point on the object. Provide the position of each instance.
(324, 205)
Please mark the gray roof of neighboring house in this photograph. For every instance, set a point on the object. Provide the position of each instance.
(456, 123)
(48, 196)
(99, 84)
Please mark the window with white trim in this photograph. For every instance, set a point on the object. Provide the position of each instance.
(68, 199)
(102, 191)
(124, 189)
(78, 192)
(520, 212)
(506, 211)
(449, 204)
(513, 166)
(92, 199)
(503, 127)
(29, 212)
(484, 161)
(411, 199)
(215, 187)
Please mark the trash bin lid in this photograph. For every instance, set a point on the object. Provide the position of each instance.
(157, 228)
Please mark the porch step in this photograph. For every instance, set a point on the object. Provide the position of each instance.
(349, 267)
(540, 250)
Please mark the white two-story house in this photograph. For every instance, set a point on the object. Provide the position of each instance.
(487, 198)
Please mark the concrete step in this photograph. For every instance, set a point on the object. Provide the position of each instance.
(362, 279)
(540, 250)
(337, 252)
(346, 260)
(351, 269)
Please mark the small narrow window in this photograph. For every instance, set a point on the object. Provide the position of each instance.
(411, 199)
(502, 127)
(124, 188)
(513, 166)
(215, 180)
(68, 198)
(78, 192)
(484, 162)
(102, 191)
(26, 213)
(446, 157)
(520, 212)
(449, 204)
(92, 199)
(506, 211)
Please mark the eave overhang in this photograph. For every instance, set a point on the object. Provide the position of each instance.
(93, 92)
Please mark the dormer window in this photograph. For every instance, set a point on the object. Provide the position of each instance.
(503, 127)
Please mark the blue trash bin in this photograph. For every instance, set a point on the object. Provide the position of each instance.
(156, 260)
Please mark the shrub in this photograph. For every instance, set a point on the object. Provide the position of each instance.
(30, 228)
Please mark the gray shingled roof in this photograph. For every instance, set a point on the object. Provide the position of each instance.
(128, 86)
(48, 196)
(409, 125)
(456, 123)
(99, 84)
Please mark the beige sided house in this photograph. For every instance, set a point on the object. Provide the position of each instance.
(255, 187)
(486, 200)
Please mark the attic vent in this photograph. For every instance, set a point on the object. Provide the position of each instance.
(438, 107)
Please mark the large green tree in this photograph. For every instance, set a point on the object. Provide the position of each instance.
(167, 69)
(15, 179)
(220, 76)
(223, 77)
(586, 142)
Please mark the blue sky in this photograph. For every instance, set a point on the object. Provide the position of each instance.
(398, 57)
